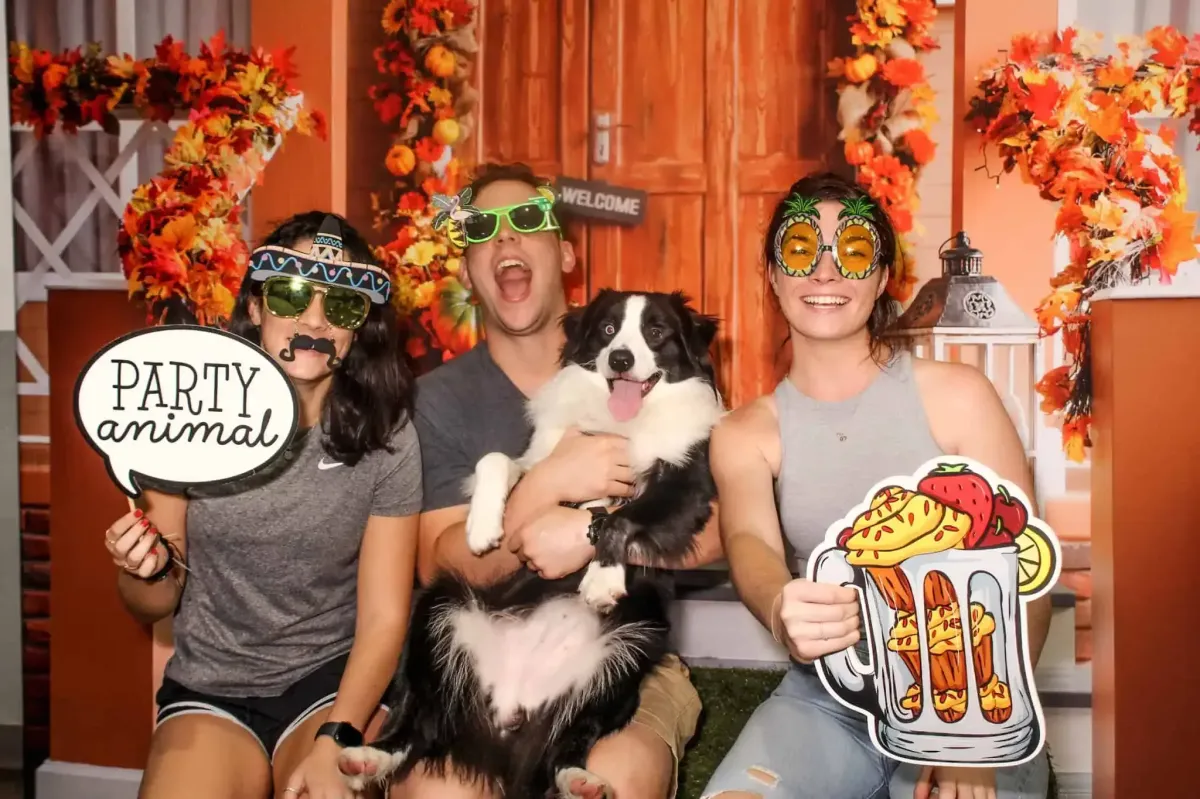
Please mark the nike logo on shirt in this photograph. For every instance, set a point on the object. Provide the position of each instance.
(322, 465)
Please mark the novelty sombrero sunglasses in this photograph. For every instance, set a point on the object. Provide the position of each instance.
(289, 276)
(799, 244)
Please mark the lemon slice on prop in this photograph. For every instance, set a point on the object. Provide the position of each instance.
(1037, 562)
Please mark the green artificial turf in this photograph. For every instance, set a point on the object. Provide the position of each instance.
(729, 697)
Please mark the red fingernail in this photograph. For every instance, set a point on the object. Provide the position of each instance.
(146, 523)
(137, 514)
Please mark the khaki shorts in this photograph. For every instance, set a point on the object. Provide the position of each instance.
(670, 707)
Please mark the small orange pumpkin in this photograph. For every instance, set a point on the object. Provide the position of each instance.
(859, 152)
(401, 160)
(440, 61)
(861, 68)
(446, 131)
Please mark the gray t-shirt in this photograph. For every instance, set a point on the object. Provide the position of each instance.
(466, 408)
(271, 595)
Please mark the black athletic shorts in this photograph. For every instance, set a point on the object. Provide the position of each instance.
(270, 719)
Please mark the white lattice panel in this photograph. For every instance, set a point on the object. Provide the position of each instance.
(110, 191)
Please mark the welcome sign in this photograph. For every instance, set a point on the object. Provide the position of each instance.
(600, 200)
(184, 404)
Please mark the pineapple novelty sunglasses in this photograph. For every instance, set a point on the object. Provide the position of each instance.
(799, 244)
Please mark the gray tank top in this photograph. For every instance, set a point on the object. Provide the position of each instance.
(834, 452)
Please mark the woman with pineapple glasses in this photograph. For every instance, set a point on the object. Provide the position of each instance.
(855, 408)
(298, 579)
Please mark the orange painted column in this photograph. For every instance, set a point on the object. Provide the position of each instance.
(306, 173)
(100, 657)
(1009, 222)
(1144, 478)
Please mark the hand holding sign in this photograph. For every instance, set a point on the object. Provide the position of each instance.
(184, 404)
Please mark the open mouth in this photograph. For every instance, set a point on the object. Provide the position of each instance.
(825, 301)
(625, 396)
(514, 279)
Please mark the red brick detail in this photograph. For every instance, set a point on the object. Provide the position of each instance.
(36, 575)
(35, 619)
(35, 520)
(1083, 614)
(35, 659)
(35, 547)
(1083, 646)
(1079, 581)
(35, 603)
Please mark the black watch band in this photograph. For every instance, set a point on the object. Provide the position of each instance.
(343, 733)
(595, 525)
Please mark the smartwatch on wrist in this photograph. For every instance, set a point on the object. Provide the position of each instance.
(596, 523)
(343, 733)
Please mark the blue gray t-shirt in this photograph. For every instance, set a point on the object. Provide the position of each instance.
(466, 408)
(272, 591)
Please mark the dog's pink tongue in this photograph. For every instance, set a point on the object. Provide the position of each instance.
(625, 400)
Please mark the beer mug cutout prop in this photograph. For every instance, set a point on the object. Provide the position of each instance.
(948, 550)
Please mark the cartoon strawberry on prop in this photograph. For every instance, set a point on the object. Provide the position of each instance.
(967, 492)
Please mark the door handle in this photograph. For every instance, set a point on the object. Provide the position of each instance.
(601, 127)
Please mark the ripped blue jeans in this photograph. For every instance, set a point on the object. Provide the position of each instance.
(802, 744)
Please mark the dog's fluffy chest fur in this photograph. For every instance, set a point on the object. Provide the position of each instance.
(524, 662)
(680, 416)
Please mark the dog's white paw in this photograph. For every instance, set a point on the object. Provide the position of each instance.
(485, 525)
(364, 765)
(602, 586)
(578, 783)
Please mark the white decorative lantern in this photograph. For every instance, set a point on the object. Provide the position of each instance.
(967, 316)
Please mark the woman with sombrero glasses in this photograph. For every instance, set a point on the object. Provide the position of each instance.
(290, 589)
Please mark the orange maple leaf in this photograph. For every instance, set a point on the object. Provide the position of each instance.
(1064, 43)
(1043, 99)
(1108, 123)
(1109, 75)
(1178, 244)
(1168, 44)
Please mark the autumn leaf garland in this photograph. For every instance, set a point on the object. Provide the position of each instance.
(428, 98)
(886, 110)
(1065, 118)
(180, 238)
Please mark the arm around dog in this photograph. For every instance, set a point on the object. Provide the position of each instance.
(442, 542)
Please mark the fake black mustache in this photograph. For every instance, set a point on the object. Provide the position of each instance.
(303, 342)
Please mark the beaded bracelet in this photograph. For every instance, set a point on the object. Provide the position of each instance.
(167, 568)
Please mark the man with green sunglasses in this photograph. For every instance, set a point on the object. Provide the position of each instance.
(516, 257)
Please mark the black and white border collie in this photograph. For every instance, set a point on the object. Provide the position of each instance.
(514, 683)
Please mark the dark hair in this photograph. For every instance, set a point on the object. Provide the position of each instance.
(487, 174)
(832, 186)
(372, 392)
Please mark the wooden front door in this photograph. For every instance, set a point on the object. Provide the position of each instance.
(715, 108)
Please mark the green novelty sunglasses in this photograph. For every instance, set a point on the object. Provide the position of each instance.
(531, 216)
(287, 297)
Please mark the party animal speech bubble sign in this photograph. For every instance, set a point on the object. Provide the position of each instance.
(184, 404)
(950, 548)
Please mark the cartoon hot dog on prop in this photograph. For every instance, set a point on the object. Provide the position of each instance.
(966, 541)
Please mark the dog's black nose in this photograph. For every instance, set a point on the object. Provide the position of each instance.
(620, 361)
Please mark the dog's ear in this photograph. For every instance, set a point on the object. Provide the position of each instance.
(698, 329)
(704, 330)
(572, 324)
